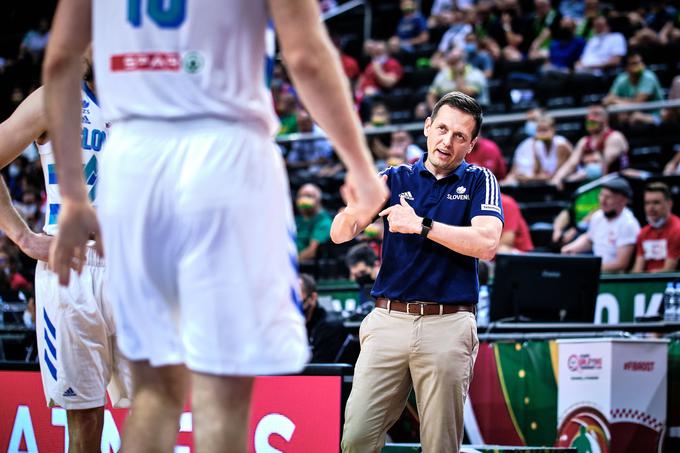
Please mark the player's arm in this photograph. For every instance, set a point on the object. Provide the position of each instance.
(62, 71)
(26, 124)
(315, 69)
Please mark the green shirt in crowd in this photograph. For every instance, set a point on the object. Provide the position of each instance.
(648, 84)
(316, 228)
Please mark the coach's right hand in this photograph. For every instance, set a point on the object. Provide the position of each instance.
(77, 225)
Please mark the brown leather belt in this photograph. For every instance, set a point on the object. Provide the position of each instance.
(422, 308)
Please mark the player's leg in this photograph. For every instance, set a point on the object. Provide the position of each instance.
(238, 288)
(157, 402)
(73, 346)
(85, 429)
(441, 368)
(220, 405)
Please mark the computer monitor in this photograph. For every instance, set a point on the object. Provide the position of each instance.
(542, 287)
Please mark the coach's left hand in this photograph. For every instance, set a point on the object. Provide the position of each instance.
(402, 218)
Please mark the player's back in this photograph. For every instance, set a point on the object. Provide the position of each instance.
(182, 59)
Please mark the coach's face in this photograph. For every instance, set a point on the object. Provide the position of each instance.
(449, 138)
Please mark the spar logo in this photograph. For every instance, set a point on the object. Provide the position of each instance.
(192, 62)
(582, 362)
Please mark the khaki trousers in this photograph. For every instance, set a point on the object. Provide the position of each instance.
(434, 355)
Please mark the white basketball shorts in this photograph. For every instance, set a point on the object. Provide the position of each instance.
(199, 238)
(78, 354)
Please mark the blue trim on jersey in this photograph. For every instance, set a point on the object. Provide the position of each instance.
(51, 174)
(50, 366)
(53, 211)
(49, 324)
(90, 94)
(51, 347)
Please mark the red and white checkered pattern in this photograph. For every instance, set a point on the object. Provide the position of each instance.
(636, 416)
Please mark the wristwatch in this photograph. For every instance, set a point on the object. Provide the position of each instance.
(426, 226)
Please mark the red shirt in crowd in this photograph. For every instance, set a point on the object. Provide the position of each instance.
(349, 65)
(486, 153)
(514, 221)
(657, 244)
(369, 80)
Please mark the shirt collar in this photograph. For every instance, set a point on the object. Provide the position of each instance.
(419, 166)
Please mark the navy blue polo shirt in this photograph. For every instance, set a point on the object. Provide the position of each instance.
(416, 268)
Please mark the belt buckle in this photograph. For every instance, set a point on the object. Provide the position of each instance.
(422, 307)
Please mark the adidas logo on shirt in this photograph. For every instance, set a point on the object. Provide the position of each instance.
(69, 392)
(406, 195)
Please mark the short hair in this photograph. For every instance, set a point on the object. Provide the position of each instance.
(464, 103)
(308, 284)
(659, 187)
(361, 253)
(633, 53)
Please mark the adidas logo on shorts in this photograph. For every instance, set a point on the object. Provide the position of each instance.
(69, 392)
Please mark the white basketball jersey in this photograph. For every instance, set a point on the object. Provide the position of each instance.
(93, 135)
(179, 59)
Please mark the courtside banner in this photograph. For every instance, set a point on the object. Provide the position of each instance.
(289, 414)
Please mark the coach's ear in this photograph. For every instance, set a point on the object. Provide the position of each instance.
(428, 124)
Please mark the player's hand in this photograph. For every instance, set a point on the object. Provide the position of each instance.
(37, 246)
(365, 195)
(402, 218)
(77, 225)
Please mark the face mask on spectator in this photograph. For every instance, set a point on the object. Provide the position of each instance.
(593, 170)
(305, 203)
(530, 128)
(364, 279)
(593, 126)
(470, 47)
(658, 223)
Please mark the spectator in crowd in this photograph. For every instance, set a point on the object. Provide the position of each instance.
(363, 264)
(603, 151)
(565, 48)
(478, 56)
(402, 143)
(672, 114)
(537, 158)
(613, 228)
(349, 64)
(516, 237)
(603, 50)
(35, 40)
(308, 154)
(573, 9)
(15, 280)
(412, 28)
(658, 245)
(325, 333)
(286, 109)
(382, 73)
(313, 222)
(584, 24)
(458, 75)
(654, 26)
(487, 154)
(508, 30)
(636, 84)
(454, 37)
(543, 25)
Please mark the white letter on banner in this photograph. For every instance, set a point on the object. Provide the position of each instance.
(654, 304)
(272, 424)
(23, 427)
(608, 302)
(59, 419)
(110, 434)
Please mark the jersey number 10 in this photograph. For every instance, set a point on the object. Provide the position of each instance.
(166, 14)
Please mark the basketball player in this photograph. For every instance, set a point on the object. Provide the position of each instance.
(76, 347)
(195, 205)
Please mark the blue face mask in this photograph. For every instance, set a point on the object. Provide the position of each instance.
(470, 47)
(593, 170)
(530, 128)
